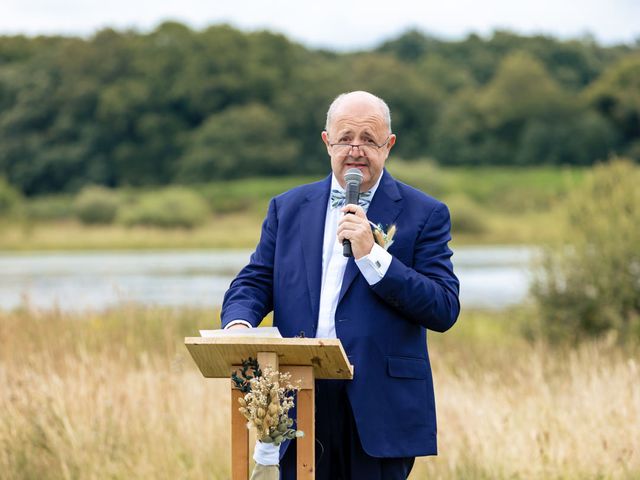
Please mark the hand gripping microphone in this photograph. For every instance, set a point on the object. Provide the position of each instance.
(352, 180)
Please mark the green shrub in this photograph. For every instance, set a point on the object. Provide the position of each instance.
(466, 215)
(96, 205)
(10, 198)
(590, 285)
(171, 208)
(424, 174)
(247, 194)
(49, 207)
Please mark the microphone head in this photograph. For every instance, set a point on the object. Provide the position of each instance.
(353, 175)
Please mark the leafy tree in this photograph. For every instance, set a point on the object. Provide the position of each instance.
(521, 117)
(588, 285)
(437, 71)
(410, 46)
(240, 139)
(579, 140)
(616, 94)
(126, 108)
(414, 104)
(521, 90)
(574, 63)
(303, 105)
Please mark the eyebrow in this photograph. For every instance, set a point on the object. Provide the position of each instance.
(345, 132)
(365, 133)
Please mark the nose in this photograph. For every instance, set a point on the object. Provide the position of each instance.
(358, 148)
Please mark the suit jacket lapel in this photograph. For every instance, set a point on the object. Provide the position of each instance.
(384, 209)
(312, 216)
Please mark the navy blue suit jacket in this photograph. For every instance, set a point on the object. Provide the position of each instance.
(382, 327)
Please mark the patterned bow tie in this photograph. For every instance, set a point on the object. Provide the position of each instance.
(338, 198)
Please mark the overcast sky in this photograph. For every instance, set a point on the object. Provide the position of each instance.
(335, 24)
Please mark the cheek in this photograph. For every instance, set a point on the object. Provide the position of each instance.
(336, 165)
(377, 165)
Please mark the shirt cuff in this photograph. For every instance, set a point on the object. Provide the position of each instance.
(374, 266)
(266, 453)
(237, 322)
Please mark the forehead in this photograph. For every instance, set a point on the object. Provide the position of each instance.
(358, 115)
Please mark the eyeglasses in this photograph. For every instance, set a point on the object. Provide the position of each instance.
(366, 148)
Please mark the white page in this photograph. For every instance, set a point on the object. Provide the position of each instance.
(260, 332)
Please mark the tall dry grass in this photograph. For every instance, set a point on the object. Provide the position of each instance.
(115, 395)
(540, 413)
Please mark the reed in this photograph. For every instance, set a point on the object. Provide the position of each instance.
(116, 395)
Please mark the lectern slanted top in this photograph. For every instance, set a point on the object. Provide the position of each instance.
(216, 355)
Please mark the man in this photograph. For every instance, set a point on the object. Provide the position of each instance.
(378, 303)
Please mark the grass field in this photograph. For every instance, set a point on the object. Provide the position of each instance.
(488, 206)
(115, 395)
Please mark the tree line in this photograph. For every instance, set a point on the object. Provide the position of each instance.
(177, 105)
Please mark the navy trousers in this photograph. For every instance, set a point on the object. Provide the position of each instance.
(339, 453)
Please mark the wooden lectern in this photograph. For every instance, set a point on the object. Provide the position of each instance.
(304, 358)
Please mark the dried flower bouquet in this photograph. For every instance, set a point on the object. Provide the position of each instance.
(268, 397)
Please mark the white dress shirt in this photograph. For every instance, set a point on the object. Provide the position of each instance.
(372, 266)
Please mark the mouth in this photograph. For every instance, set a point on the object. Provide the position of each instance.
(355, 164)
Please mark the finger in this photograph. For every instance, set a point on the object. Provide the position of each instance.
(350, 220)
(349, 232)
(357, 217)
(355, 209)
(353, 226)
(344, 235)
(354, 233)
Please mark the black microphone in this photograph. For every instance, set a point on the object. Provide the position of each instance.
(352, 180)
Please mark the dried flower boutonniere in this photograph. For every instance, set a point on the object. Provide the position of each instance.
(382, 238)
(269, 395)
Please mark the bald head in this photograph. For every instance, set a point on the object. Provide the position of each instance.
(358, 135)
(358, 98)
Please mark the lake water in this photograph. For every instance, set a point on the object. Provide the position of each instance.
(491, 277)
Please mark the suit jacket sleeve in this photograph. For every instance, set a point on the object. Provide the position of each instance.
(427, 293)
(250, 295)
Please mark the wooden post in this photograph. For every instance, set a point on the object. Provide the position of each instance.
(306, 468)
(268, 359)
(239, 439)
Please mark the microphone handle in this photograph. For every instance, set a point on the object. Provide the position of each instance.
(346, 248)
(352, 197)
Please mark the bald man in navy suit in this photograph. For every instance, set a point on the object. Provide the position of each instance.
(380, 302)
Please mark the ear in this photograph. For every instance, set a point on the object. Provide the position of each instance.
(325, 139)
(392, 141)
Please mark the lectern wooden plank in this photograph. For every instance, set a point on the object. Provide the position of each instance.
(214, 355)
(305, 358)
